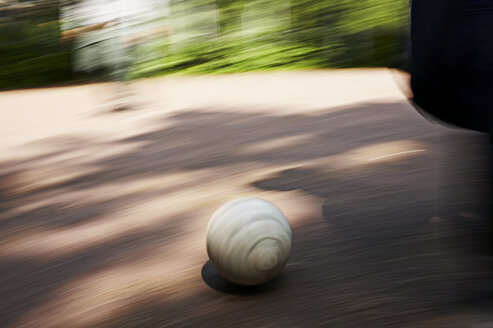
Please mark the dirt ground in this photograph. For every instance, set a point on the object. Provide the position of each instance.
(103, 214)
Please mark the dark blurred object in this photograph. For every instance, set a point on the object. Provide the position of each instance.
(452, 61)
(452, 71)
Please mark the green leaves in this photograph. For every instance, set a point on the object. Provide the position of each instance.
(209, 36)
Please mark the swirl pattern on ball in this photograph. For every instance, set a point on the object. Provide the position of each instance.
(249, 241)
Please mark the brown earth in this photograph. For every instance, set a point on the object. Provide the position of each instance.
(103, 214)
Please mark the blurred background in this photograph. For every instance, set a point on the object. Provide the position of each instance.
(204, 36)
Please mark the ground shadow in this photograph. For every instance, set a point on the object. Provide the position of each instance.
(376, 263)
(214, 280)
(409, 219)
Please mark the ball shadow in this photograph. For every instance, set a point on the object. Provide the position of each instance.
(217, 282)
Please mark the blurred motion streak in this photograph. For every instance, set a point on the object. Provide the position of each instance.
(123, 39)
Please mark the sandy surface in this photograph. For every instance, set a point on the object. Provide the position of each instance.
(103, 214)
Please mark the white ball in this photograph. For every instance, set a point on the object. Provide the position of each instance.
(249, 241)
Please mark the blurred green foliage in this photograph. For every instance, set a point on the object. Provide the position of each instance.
(210, 36)
(30, 51)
